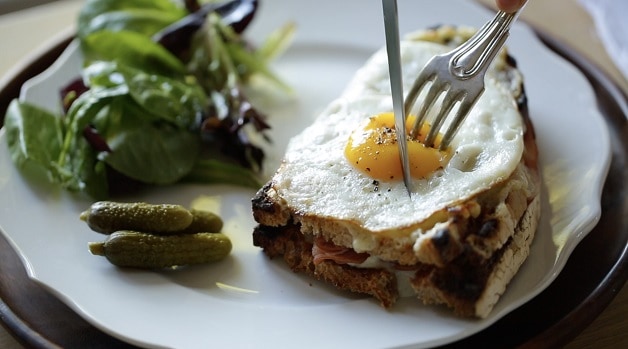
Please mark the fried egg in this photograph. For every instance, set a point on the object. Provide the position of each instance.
(345, 165)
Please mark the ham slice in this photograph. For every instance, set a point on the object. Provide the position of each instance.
(325, 250)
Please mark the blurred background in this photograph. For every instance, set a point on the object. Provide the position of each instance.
(7, 6)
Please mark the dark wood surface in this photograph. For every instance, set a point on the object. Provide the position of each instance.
(594, 274)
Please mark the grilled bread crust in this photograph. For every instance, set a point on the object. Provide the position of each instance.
(466, 256)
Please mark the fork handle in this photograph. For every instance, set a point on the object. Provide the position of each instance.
(479, 51)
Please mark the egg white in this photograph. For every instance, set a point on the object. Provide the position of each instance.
(316, 179)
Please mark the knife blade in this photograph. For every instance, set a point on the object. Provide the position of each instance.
(391, 29)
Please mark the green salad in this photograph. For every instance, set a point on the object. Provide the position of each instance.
(160, 99)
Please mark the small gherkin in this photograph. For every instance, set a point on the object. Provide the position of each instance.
(107, 217)
(148, 251)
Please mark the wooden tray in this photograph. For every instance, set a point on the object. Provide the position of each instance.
(594, 274)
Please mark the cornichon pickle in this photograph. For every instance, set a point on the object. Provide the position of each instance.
(107, 217)
(203, 222)
(140, 250)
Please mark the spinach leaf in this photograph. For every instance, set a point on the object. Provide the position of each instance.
(82, 112)
(132, 49)
(143, 16)
(155, 153)
(181, 102)
(77, 167)
(82, 172)
(34, 136)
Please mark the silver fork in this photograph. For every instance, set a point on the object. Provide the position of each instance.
(459, 74)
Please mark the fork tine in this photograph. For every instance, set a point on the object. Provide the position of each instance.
(451, 97)
(464, 107)
(414, 92)
(434, 91)
(411, 98)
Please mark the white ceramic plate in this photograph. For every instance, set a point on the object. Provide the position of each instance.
(250, 301)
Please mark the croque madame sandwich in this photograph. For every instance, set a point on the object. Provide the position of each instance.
(337, 207)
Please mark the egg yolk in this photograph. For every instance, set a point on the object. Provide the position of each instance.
(372, 148)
